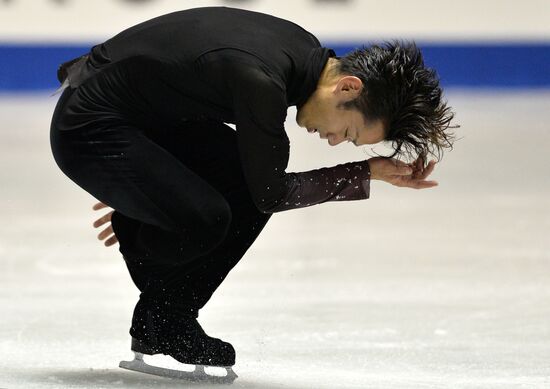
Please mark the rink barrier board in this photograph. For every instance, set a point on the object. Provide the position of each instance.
(32, 67)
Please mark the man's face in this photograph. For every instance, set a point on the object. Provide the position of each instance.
(339, 124)
(324, 114)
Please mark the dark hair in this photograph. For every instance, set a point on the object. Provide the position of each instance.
(404, 94)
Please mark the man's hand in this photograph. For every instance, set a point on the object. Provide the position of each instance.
(107, 232)
(398, 173)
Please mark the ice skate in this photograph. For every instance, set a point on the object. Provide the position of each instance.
(160, 331)
(198, 374)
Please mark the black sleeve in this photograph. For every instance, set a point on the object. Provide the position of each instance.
(260, 109)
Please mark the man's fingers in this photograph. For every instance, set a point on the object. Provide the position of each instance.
(407, 182)
(104, 219)
(105, 233)
(399, 163)
(412, 175)
(424, 184)
(429, 169)
(418, 167)
(111, 241)
(419, 163)
(403, 170)
(98, 206)
(417, 184)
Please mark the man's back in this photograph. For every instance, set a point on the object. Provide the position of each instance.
(200, 30)
(179, 38)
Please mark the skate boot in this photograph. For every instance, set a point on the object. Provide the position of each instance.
(179, 335)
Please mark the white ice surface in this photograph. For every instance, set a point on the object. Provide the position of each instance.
(442, 288)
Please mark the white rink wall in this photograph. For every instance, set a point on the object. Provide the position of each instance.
(428, 20)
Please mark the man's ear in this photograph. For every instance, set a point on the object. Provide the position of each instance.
(349, 87)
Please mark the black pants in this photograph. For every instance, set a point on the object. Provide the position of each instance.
(183, 214)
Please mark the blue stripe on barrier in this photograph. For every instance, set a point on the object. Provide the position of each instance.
(33, 67)
(486, 65)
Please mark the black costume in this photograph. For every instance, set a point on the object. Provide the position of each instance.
(142, 129)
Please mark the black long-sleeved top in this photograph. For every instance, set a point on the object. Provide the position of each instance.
(238, 67)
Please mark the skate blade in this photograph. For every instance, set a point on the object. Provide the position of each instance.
(197, 375)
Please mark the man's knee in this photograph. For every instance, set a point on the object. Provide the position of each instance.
(215, 225)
